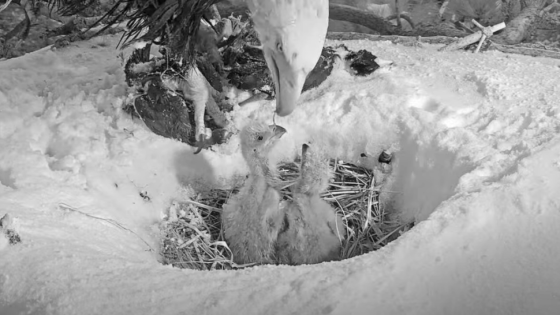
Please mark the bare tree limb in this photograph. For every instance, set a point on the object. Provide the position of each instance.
(398, 15)
(518, 28)
(5, 5)
(354, 15)
(472, 38)
(365, 18)
(527, 51)
(404, 40)
(337, 12)
(403, 16)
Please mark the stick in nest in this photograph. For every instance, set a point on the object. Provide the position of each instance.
(195, 240)
(354, 194)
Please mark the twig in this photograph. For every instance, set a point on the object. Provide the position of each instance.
(369, 205)
(389, 234)
(527, 51)
(443, 8)
(5, 5)
(473, 38)
(254, 98)
(484, 34)
(111, 221)
(203, 206)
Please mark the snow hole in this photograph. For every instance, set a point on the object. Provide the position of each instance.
(422, 175)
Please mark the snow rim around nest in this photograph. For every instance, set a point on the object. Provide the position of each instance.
(483, 134)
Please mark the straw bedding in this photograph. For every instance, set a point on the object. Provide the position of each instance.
(192, 237)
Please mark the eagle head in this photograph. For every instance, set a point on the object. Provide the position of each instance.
(292, 33)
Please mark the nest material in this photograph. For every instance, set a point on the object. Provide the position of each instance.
(167, 113)
(9, 228)
(194, 239)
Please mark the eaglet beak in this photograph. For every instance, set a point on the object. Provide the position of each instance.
(277, 132)
(304, 154)
(288, 81)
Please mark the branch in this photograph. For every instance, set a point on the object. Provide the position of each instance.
(403, 16)
(361, 17)
(517, 29)
(472, 38)
(5, 5)
(354, 15)
(75, 24)
(396, 39)
(527, 51)
(337, 12)
(21, 30)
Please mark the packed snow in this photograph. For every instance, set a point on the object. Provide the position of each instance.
(477, 166)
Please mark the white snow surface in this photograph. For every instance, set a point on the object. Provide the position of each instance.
(477, 146)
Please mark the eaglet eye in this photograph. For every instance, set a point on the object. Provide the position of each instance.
(279, 46)
(260, 138)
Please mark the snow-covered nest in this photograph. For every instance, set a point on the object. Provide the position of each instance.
(192, 232)
(477, 167)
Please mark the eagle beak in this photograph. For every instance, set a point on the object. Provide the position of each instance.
(288, 81)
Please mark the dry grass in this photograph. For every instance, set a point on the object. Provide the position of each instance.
(354, 194)
(194, 239)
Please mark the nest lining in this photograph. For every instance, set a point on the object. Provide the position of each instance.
(193, 238)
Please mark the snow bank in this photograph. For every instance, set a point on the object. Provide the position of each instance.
(477, 165)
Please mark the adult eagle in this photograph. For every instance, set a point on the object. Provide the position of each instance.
(292, 33)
